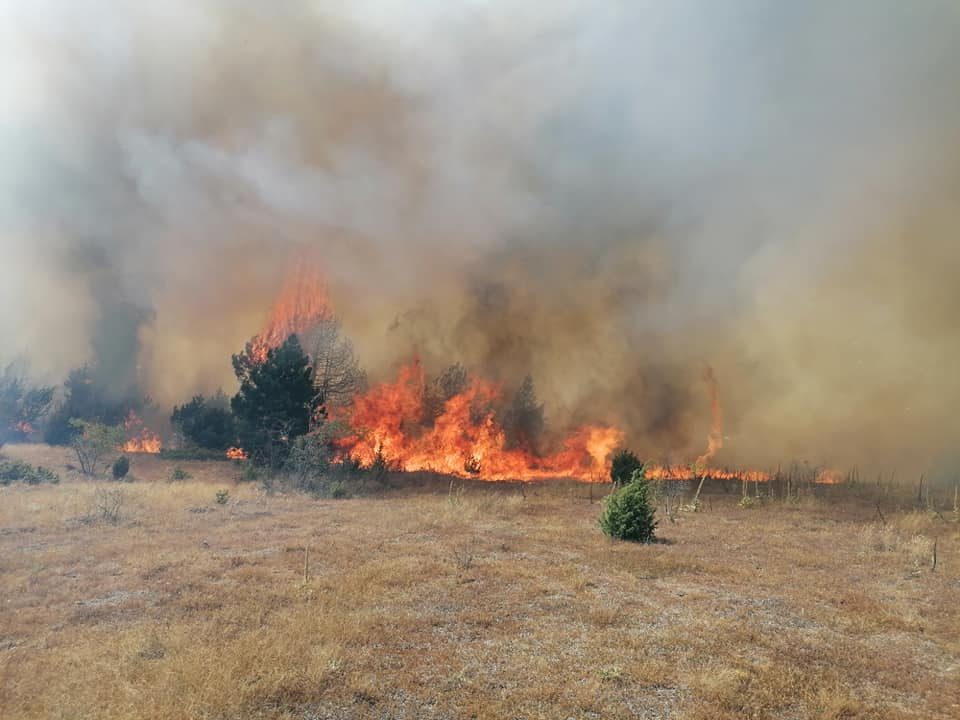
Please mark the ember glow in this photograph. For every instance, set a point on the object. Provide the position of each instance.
(467, 439)
(141, 439)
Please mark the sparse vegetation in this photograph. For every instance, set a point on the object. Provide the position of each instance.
(628, 513)
(308, 464)
(107, 506)
(192, 453)
(12, 471)
(93, 444)
(153, 595)
(178, 473)
(222, 497)
(22, 406)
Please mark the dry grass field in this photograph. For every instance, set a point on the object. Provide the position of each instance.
(480, 603)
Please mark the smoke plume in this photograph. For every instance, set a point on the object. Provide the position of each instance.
(607, 196)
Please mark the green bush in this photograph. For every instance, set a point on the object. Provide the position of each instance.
(223, 496)
(628, 512)
(207, 424)
(42, 475)
(624, 464)
(13, 471)
(178, 473)
(121, 466)
(18, 471)
(93, 443)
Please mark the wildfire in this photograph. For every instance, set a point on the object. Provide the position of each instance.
(140, 438)
(236, 453)
(302, 303)
(829, 476)
(715, 438)
(695, 472)
(466, 439)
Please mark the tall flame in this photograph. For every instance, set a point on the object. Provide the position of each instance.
(303, 302)
(140, 438)
(715, 438)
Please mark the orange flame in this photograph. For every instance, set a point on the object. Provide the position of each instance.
(829, 476)
(302, 303)
(694, 472)
(466, 439)
(715, 438)
(140, 438)
(236, 453)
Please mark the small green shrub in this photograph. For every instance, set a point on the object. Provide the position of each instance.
(42, 475)
(628, 513)
(12, 471)
(121, 466)
(178, 473)
(624, 465)
(223, 496)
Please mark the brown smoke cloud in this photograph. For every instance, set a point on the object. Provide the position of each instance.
(608, 196)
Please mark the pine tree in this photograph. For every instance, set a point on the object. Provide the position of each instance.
(523, 422)
(624, 464)
(276, 402)
(628, 513)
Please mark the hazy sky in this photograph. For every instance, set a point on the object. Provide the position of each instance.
(606, 194)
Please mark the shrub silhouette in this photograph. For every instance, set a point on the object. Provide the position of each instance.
(624, 464)
(121, 466)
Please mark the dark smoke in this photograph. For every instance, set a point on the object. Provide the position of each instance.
(607, 196)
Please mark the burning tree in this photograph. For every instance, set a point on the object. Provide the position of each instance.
(276, 403)
(87, 397)
(336, 372)
(523, 421)
(21, 406)
(445, 386)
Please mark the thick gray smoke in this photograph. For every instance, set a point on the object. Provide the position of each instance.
(607, 195)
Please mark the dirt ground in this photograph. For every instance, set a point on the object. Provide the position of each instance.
(152, 600)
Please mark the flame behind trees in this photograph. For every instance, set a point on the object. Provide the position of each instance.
(21, 406)
(276, 403)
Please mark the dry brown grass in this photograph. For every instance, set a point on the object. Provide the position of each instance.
(472, 603)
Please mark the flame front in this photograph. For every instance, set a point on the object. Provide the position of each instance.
(466, 439)
(140, 438)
